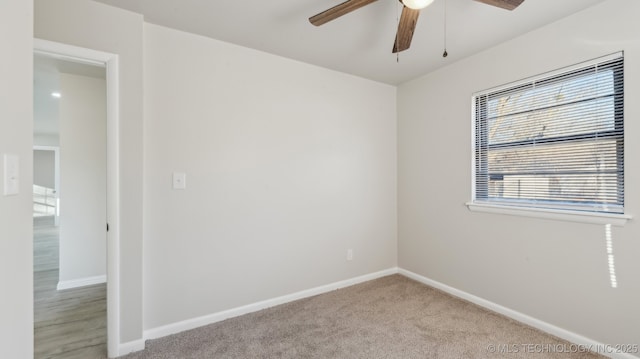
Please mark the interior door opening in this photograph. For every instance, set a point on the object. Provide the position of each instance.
(70, 206)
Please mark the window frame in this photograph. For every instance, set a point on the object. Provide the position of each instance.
(556, 213)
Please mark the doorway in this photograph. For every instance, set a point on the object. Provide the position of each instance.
(85, 199)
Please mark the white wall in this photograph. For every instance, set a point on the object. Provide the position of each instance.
(16, 137)
(97, 26)
(83, 176)
(288, 165)
(554, 271)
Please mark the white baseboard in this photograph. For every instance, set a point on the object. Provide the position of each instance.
(235, 312)
(129, 347)
(603, 349)
(82, 282)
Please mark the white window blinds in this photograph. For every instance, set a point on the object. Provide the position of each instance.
(556, 141)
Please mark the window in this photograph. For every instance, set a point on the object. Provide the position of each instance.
(555, 142)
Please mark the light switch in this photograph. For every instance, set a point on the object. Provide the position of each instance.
(11, 175)
(179, 180)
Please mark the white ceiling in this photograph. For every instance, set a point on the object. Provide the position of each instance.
(358, 43)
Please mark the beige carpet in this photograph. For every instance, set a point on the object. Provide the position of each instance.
(391, 317)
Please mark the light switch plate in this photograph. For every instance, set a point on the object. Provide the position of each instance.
(11, 175)
(179, 180)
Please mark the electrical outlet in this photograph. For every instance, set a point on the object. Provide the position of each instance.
(11, 175)
(179, 180)
(349, 254)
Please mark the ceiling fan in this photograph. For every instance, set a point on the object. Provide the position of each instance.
(408, 19)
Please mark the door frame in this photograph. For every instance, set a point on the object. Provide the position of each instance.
(110, 61)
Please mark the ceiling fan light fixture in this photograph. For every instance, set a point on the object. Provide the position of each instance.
(417, 4)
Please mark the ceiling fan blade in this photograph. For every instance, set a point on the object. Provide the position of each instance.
(505, 4)
(406, 27)
(337, 11)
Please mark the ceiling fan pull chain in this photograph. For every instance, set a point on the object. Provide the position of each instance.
(445, 54)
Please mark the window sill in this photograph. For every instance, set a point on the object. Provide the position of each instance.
(560, 215)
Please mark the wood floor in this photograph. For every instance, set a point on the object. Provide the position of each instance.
(69, 324)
